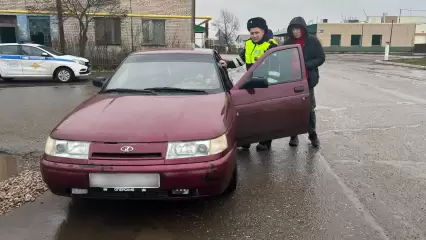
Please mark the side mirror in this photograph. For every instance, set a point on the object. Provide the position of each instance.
(44, 54)
(255, 82)
(99, 81)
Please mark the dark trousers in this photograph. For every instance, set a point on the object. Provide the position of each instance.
(312, 116)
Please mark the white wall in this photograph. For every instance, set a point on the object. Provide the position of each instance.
(420, 29)
(412, 19)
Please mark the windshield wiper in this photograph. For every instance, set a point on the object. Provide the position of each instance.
(171, 89)
(128, 90)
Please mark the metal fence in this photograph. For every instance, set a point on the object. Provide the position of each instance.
(419, 49)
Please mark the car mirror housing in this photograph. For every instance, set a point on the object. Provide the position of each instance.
(255, 82)
(99, 81)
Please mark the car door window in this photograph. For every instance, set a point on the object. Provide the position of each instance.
(280, 67)
(31, 51)
(225, 78)
(9, 50)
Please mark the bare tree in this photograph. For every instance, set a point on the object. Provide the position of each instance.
(228, 26)
(84, 11)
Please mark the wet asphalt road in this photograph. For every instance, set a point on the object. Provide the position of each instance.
(366, 182)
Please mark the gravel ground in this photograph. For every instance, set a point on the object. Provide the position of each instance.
(25, 187)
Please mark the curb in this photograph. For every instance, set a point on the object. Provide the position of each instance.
(8, 167)
(400, 64)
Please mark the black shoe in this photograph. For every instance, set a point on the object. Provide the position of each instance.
(294, 141)
(263, 147)
(246, 146)
(313, 137)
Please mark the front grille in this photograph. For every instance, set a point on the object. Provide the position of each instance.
(97, 155)
(85, 72)
(110, 194)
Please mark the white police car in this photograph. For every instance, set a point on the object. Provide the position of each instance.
(34, 60)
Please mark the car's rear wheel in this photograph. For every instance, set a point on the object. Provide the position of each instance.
(64, 74)
(233, 183)
(7, 79)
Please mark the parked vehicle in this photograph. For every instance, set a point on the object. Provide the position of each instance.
(166, 125)
(39, 61)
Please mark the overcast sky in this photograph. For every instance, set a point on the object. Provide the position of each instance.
(279, 12)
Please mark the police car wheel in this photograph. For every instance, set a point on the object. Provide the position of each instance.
(64, 75)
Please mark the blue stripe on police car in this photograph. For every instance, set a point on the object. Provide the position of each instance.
(17, 57)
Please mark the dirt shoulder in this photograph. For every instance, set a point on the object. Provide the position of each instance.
(25, 187)
(413, 61)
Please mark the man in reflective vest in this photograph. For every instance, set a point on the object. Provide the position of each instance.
(261, 40)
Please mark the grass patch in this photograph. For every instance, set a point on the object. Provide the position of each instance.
(414, 61)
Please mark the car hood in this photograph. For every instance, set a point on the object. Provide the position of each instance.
(71, 57)
(115, 118)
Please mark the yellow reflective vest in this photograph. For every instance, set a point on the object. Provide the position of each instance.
(255, 51)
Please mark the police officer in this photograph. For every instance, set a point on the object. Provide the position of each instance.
(260, 42)
(255, 47)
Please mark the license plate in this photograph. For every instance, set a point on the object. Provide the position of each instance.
(124, 180)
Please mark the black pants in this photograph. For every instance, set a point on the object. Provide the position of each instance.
(312, 116)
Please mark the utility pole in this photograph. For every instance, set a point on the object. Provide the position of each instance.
(131, 27)
(60, 25)
(390, 38)
(193, 24)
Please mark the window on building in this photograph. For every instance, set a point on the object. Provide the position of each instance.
(335, 39)
(355, 40)
(107, 31)
(101, 3)
(154, 31)
(376, 40)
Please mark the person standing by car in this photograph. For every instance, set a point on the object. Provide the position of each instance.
(255, 47)
(314, 57)
(260, 42)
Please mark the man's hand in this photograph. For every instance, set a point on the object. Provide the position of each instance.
(223, 63)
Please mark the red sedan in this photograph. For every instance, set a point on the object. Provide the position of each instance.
(167, 124)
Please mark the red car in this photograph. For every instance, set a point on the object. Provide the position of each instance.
(167, 124)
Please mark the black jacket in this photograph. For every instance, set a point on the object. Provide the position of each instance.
(241, 60)
(312, 51)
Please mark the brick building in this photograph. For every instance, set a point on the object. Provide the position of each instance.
(106, 32)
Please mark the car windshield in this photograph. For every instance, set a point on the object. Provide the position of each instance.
(51, 50)
(168, 73)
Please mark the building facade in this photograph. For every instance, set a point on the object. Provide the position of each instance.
(366, 34)
(105, 32)
(420, 21)
(363, 37)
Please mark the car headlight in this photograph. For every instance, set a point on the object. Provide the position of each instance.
(196, 148)
(79, 61)
(67, 149)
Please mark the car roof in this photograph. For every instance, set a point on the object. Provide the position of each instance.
(202, 51)
(26, 44)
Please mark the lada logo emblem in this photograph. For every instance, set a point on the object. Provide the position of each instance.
(127, 149)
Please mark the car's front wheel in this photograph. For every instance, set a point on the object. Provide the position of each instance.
(7, 79)
(64, 74)
(233, 183)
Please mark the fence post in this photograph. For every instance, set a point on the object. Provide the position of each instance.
(387, 51)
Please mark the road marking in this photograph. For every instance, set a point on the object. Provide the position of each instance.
(369, 129)
(402, 95)
(352, 196)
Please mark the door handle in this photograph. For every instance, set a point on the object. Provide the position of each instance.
(299, 89)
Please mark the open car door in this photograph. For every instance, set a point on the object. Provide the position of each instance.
(272, 97)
